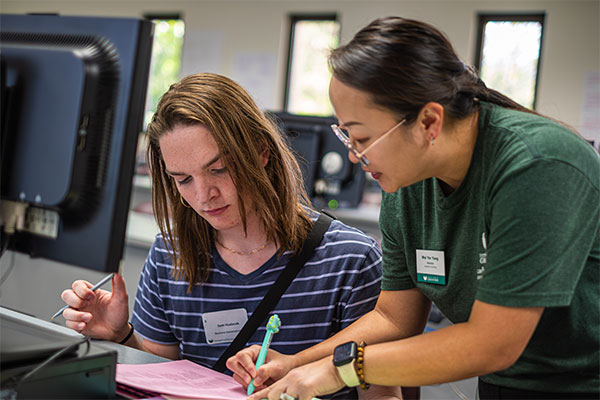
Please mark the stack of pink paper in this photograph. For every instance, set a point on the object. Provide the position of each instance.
(176, 379)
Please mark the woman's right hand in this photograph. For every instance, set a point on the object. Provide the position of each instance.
(100, 314)
(242, 365)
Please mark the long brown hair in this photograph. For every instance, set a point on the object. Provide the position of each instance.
(243, 135)
(404, 64)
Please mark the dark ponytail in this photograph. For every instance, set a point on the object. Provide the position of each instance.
(404, 64)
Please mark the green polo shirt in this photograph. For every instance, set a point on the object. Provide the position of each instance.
(522, 230)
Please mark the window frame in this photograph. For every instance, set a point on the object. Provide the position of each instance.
(294, 19)
(153, 16)
(484, 18)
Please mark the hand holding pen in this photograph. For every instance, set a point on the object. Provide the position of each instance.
(93, 289)
(95, 312)
(272, 328)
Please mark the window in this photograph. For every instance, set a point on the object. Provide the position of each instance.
(508, 54)
(166, 59)
(308, 75)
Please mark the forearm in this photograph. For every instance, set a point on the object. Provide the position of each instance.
(445, 355)
(360, 330)
(377, 326)
(135, 343)
(167, 351)
(482, 345)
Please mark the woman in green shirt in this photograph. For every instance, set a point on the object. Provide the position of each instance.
(490, 210)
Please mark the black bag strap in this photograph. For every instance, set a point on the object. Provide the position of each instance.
(272, 297)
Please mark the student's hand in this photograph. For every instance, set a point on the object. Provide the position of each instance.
(100, 314)
(275, 367)
(305, 382)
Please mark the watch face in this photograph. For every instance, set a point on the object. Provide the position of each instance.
(344, 353)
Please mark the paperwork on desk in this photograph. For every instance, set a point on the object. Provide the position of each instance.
(176, 379)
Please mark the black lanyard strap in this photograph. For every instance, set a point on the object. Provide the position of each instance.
(272, 297)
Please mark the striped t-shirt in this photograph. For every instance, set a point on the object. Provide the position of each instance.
(336, 286)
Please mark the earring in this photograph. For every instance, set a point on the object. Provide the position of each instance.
(431, 139)
(186, 205)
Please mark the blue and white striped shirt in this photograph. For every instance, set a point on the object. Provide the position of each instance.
(336, 286)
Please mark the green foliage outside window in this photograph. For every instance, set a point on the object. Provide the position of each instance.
(511, 53)
(166, 61)
(310, 75)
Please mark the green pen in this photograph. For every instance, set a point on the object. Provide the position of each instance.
(272, 328)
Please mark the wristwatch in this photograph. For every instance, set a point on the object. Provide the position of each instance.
(344, 357)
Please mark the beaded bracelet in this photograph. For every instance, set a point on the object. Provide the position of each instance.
(360, 369)
(128, 335)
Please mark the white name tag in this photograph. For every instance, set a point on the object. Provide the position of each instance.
(223, 326)
(431, 267)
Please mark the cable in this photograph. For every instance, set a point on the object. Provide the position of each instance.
(5, 242)
(49, 360)
(4, 239)
(11, 264)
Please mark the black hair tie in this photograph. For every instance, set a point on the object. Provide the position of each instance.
(128, 335)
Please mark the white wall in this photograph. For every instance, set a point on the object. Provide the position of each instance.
(34, 285)
(220, 32)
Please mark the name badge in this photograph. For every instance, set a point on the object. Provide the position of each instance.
(223, 326)
(431, 267)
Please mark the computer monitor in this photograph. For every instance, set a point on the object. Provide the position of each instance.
(73, 93)
(330, 179)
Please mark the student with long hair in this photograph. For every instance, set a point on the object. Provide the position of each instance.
(228, 197)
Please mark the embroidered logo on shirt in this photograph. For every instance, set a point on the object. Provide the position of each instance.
(482, 258)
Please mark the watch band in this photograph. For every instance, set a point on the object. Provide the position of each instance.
(348, 374)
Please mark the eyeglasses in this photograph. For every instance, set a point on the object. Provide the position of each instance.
(358, 154)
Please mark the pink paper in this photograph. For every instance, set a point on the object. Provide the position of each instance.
(181, 378)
